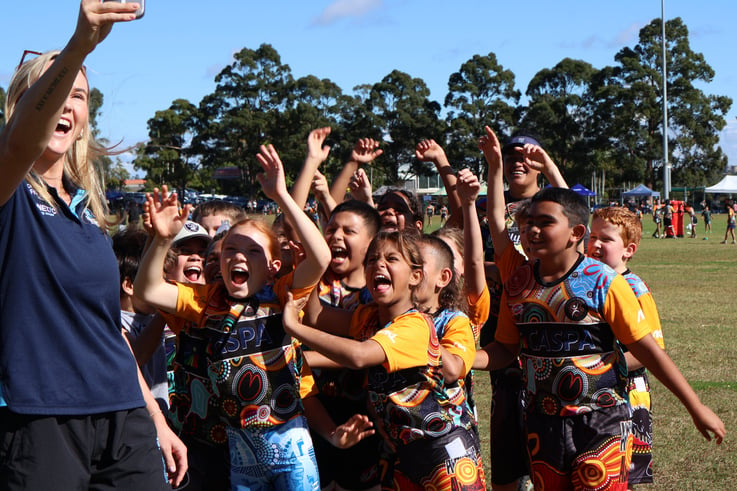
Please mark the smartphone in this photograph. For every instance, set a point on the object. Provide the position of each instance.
(141, 9)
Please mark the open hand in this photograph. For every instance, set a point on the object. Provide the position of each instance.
(164, 214)
(358, 427)
(365, 151)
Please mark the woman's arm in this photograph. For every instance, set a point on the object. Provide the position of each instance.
(29, 129)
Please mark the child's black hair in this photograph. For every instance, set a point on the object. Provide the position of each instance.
(128, 245)
(368, 213)
(574, 207)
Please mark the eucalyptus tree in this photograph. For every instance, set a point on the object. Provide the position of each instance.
(401, 103)
(480, 93)
(694, 118)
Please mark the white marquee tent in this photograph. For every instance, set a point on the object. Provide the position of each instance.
(727, 185)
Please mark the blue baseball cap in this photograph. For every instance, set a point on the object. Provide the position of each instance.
(519, 141)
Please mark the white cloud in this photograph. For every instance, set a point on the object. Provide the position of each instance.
(628, 36)
(341, 9)
(728, 141)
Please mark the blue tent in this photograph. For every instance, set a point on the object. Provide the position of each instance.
(640, 191)
(583, 190)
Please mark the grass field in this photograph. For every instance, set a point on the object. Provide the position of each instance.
(693, 282)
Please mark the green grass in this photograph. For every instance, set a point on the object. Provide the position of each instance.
(693, 282)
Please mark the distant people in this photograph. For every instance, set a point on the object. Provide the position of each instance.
(657, 218)
(75, 412)
(134, 214)
(693, 220)
(706, 215)
(730, 225)
(429, 212)
(667, 211)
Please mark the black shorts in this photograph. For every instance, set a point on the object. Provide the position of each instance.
(509, 459)
(108, 451)
(356, 467)
(209, 466)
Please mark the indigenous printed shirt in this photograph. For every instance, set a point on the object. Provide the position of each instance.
(567, 332)
(256, 369)
(647, 304)
(408, 391)
(344, 383)
(337, 294)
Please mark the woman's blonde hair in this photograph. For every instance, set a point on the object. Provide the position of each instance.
(79, 164)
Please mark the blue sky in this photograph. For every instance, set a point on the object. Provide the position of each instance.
(176, 50)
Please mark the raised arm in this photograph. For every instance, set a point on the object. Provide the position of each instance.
(166, 221)
(495, 206)
(537, 159)
(431, 151)
(360, 187)
(365, 151)
(317, 153)
(317, 254)
(468, 187)
(36, 114)
(321, 191)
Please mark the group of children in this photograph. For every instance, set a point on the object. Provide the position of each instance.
(342, 359)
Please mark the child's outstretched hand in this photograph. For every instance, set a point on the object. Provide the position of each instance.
(429, 151)
(319, 186)
(358, 427)
(365, 151)
(467, 186)
(536, 158)
(315, 149)
(272, 179)
(707, 423)
(360, 186)
(163, 210)
(492, 149)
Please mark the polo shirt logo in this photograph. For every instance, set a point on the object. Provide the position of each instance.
(46, 209)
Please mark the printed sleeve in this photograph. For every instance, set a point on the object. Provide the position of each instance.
(510, 260)
(478, 310)
(458, 340)
(405, 342)
(647, 304)
(623, 313)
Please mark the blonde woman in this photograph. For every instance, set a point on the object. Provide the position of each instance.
(71, 401)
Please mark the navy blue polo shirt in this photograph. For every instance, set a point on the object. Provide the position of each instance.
(61, 348)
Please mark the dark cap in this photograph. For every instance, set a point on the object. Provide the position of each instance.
(519, 141)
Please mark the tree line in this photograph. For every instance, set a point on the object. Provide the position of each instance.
(590, 120)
